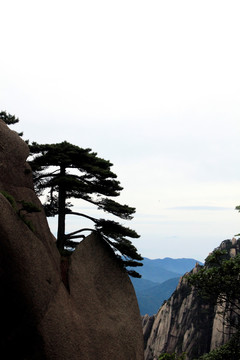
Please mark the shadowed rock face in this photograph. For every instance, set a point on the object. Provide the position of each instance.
(96, 317)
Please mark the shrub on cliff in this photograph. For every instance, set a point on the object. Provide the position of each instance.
(229, 351)
(218, 282)
(9, 119)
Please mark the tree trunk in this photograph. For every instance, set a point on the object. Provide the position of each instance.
(61, 210)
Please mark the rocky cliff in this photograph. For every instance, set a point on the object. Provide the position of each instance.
(90, 313)
(185, 323)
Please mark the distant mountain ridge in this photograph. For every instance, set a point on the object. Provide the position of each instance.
(159, 280)
(160, 270)
(152, 297)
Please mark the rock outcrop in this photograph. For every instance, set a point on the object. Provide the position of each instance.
(94, 315)
(181, 325)
(185, 323)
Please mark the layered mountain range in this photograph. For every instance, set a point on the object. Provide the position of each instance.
(159, 280)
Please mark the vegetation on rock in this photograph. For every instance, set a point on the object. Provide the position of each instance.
(10, 198)
(71, 172)
(231, 350)
(25, 207)
(219, 283)
(9, 119)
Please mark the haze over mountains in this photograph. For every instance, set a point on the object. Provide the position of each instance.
(159, 279)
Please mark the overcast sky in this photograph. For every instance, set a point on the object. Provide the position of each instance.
(152, 86)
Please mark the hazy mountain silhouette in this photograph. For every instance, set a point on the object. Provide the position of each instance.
(159, 279)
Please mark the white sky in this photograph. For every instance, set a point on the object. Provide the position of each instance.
(154, 87)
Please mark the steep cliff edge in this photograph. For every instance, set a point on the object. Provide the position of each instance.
(186, 323)
(97, 316)
(181, 325)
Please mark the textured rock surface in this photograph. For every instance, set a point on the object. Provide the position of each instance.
(147, 324)
(99, 306)
(97, 317)
(181, 325)
(221, 331)
(185, 323)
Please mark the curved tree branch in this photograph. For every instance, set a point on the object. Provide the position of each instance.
(80, 214)
(71, 235)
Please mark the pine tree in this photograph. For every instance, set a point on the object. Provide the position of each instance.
(9, 119)
(71, 172)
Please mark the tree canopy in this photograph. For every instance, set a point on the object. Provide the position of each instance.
(229, 351)
(218, 281)
(9, 119)
(70, 172)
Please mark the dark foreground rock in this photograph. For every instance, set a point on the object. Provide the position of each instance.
(94, 315)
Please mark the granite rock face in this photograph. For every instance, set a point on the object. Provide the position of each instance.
(185, 323)
(182, 324)
(95, 316)
(93, 320)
